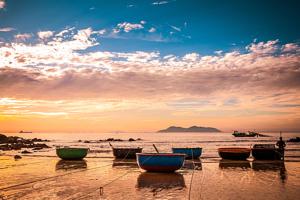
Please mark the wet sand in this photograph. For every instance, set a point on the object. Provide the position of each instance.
(51, 178)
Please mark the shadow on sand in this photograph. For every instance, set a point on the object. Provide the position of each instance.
(228, 164)
(160, 180)
(67, 165)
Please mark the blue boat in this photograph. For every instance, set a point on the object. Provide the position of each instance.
(191, 153)
(160, 162)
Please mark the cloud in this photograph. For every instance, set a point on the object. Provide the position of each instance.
(2, 4)
(263, 47)
(58, 67)
(176, 28)
(127, 27)
(159, 2)
(7, 29)
(152, 29)
(22, 37)
(45, 34)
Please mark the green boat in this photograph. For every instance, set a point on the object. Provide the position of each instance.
(67, 153)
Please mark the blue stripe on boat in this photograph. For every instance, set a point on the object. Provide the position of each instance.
(190, 152)
(160, 162)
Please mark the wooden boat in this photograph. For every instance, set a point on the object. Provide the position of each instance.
(125, 152)
(265, 152)
(160, 180)
(67, 153)
(234, 153)
(129, 153)
(191, 153)
(160, 162)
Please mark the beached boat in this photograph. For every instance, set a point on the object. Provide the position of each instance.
(67, 153)
(241, 134)
(234, 153)
(191, 153)
(129, 153)
(125, 152)
(160, 162)
(265, 152)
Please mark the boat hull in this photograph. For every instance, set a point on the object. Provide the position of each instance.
(191, 153)
(160, 162)
(234, 153)
(72, 153)
(128, 153)
(266, 154)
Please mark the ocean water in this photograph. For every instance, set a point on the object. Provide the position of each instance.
(41, 175)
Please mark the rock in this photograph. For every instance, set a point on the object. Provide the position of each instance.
(3, 138)
(25, 152)
(17, 157)
(131, 140)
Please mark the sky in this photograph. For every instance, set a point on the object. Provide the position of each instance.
(141, 66)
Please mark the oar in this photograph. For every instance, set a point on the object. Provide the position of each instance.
(155, 148)
(110, 145)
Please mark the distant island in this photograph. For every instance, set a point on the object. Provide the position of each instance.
(175, 129)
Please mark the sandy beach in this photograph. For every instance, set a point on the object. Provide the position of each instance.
(42, 175)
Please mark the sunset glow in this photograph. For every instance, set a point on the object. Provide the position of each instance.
(64, 78)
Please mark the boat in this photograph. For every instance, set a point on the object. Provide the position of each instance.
(234, 153)
(68, 153)
(125, 152)
(25, 131)
(160, 162)
(242, 134)
(265, 152)
(191, 153)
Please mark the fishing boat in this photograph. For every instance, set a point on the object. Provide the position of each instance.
(67, 153)
(265, 152)
(242, 134)
(234, 153)
(160, 162)
(125, 152)
(191, 153)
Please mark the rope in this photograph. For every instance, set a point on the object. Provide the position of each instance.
(101, 188)
(191, 181)
(51, 177)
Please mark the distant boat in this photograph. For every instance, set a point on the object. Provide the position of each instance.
(265, 152)
(191, 153)
(67, 153)
(160, 162)
(234, 153)
(125, 152)
(242, 134)
(25, 131)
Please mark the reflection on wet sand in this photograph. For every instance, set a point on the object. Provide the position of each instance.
(126, 163)
(160, 180)
(243, 164)
(271, 166)
(196, 165)
(70, 165)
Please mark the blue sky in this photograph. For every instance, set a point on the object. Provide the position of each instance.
(181, 26)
